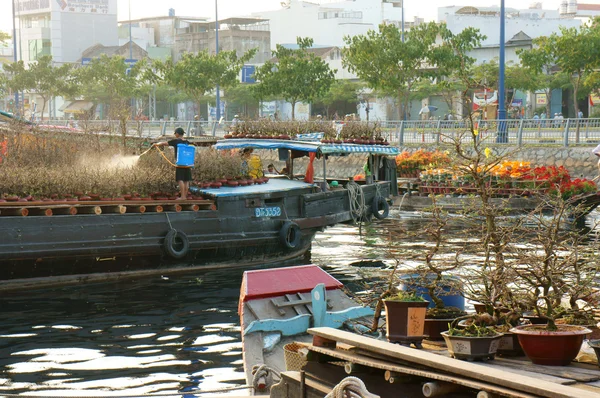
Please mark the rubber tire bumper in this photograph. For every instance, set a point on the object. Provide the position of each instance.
(290, 235)
(173, 239)
(380, 208)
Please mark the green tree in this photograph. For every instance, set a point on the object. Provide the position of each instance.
(340, 91)
(242, 96)
(198, 74)
(111, 81)
(42, 78)
(577, 54)
(540, 63)
(296, 75)
(389, 64)
(4, 36)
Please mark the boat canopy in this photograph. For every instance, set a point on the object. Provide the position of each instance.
(318, 147)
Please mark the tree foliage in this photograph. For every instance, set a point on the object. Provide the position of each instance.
(389, 64)
(4, 36)
(111, 81)
(296, 75)
(198, 74)
(41, 78)
(576, 53)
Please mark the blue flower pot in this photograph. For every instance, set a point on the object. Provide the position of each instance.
(449, 295)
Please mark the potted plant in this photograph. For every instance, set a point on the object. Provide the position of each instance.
(552, 266)
(476, 341)
(405, 318)
(433, 278)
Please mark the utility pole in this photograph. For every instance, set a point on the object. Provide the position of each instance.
(218, 98)
(502, 128)
(15, 54)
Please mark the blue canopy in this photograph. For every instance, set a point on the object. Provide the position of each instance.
(325, 149)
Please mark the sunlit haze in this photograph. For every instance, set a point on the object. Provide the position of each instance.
(228, 8)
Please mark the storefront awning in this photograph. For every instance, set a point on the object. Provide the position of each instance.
(77, 107)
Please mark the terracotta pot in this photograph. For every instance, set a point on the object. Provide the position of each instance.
(85, 198)
(249, 181)
(405, 319)
(242, 183)
(472, 348)
(227, 136)
(119, 199)
(94, 196)
(232, 183)
(216, 185)
(127, 197)
(435, 327)
(12, 198)
(258, 180)
(544, 347)
(22, 200)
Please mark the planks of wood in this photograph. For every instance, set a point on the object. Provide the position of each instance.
(411, 370)
(508, 380)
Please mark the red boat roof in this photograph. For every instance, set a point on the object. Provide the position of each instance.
(279, 281)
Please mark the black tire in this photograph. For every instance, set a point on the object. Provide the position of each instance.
(290, 235)
(380, 208)
(177, 244)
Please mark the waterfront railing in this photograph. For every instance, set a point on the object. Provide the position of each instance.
(513, 132)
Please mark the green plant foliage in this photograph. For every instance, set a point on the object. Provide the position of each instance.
(197, 74)
(295, 75)
(406, 296)
(394, 66)
(43, 78)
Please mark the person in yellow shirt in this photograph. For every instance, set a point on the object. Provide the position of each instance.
(251, 164)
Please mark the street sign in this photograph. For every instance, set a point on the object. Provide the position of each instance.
(248, 74)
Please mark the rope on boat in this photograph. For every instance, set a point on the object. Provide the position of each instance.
(183, 394)
(262, 377)
(351, 387)
(357, 201)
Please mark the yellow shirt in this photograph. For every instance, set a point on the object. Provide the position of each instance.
(255, 167)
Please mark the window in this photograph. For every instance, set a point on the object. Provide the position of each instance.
(39, 47)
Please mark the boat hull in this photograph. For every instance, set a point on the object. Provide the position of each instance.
(231, 233)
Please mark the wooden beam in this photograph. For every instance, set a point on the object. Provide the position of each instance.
(509, 380)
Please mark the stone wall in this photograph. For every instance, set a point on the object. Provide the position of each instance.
(578, 160)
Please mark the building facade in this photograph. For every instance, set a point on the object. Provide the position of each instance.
(64, 29)
(327, 22)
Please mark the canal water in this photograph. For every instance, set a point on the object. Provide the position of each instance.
(159, 335)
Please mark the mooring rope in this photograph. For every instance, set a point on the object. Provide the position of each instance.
(357, 201)
(351, 387)
(263, 371)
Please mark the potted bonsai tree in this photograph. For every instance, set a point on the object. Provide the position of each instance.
(405, 318)
(550, 267)
(477, 340)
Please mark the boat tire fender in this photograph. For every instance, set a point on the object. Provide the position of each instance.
(290, 235)
(177, 244)
(380, 207)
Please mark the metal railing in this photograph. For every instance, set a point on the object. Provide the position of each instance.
(410, 132)
(508, 132)
(144, 128)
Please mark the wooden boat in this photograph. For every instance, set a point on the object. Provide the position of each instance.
(509, 203)
(385, 368)
(273, 223)
(276, 308)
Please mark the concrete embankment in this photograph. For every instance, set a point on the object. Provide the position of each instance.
(578, 160)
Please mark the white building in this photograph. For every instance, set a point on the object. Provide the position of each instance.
(533, 21)
(64, 29)
(328, 21)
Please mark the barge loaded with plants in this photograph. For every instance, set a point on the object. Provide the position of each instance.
(515, 186)
(74, 210)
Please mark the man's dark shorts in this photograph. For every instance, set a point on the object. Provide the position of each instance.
(183, 174)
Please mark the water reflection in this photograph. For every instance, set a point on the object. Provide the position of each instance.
(160, 335)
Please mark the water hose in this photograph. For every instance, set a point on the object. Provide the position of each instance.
(166, 158)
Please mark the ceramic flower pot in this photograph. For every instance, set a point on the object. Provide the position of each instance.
(553, 348)
(472, 348)
(405, 320)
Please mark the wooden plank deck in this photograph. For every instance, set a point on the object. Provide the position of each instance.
(502, 377)
(25, 209)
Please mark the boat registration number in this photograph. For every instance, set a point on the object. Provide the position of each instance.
(267, 211)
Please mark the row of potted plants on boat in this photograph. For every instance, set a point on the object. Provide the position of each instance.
(87, 197)
(359, 141)
(410, 164)
(232, 182)
(508, 178)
